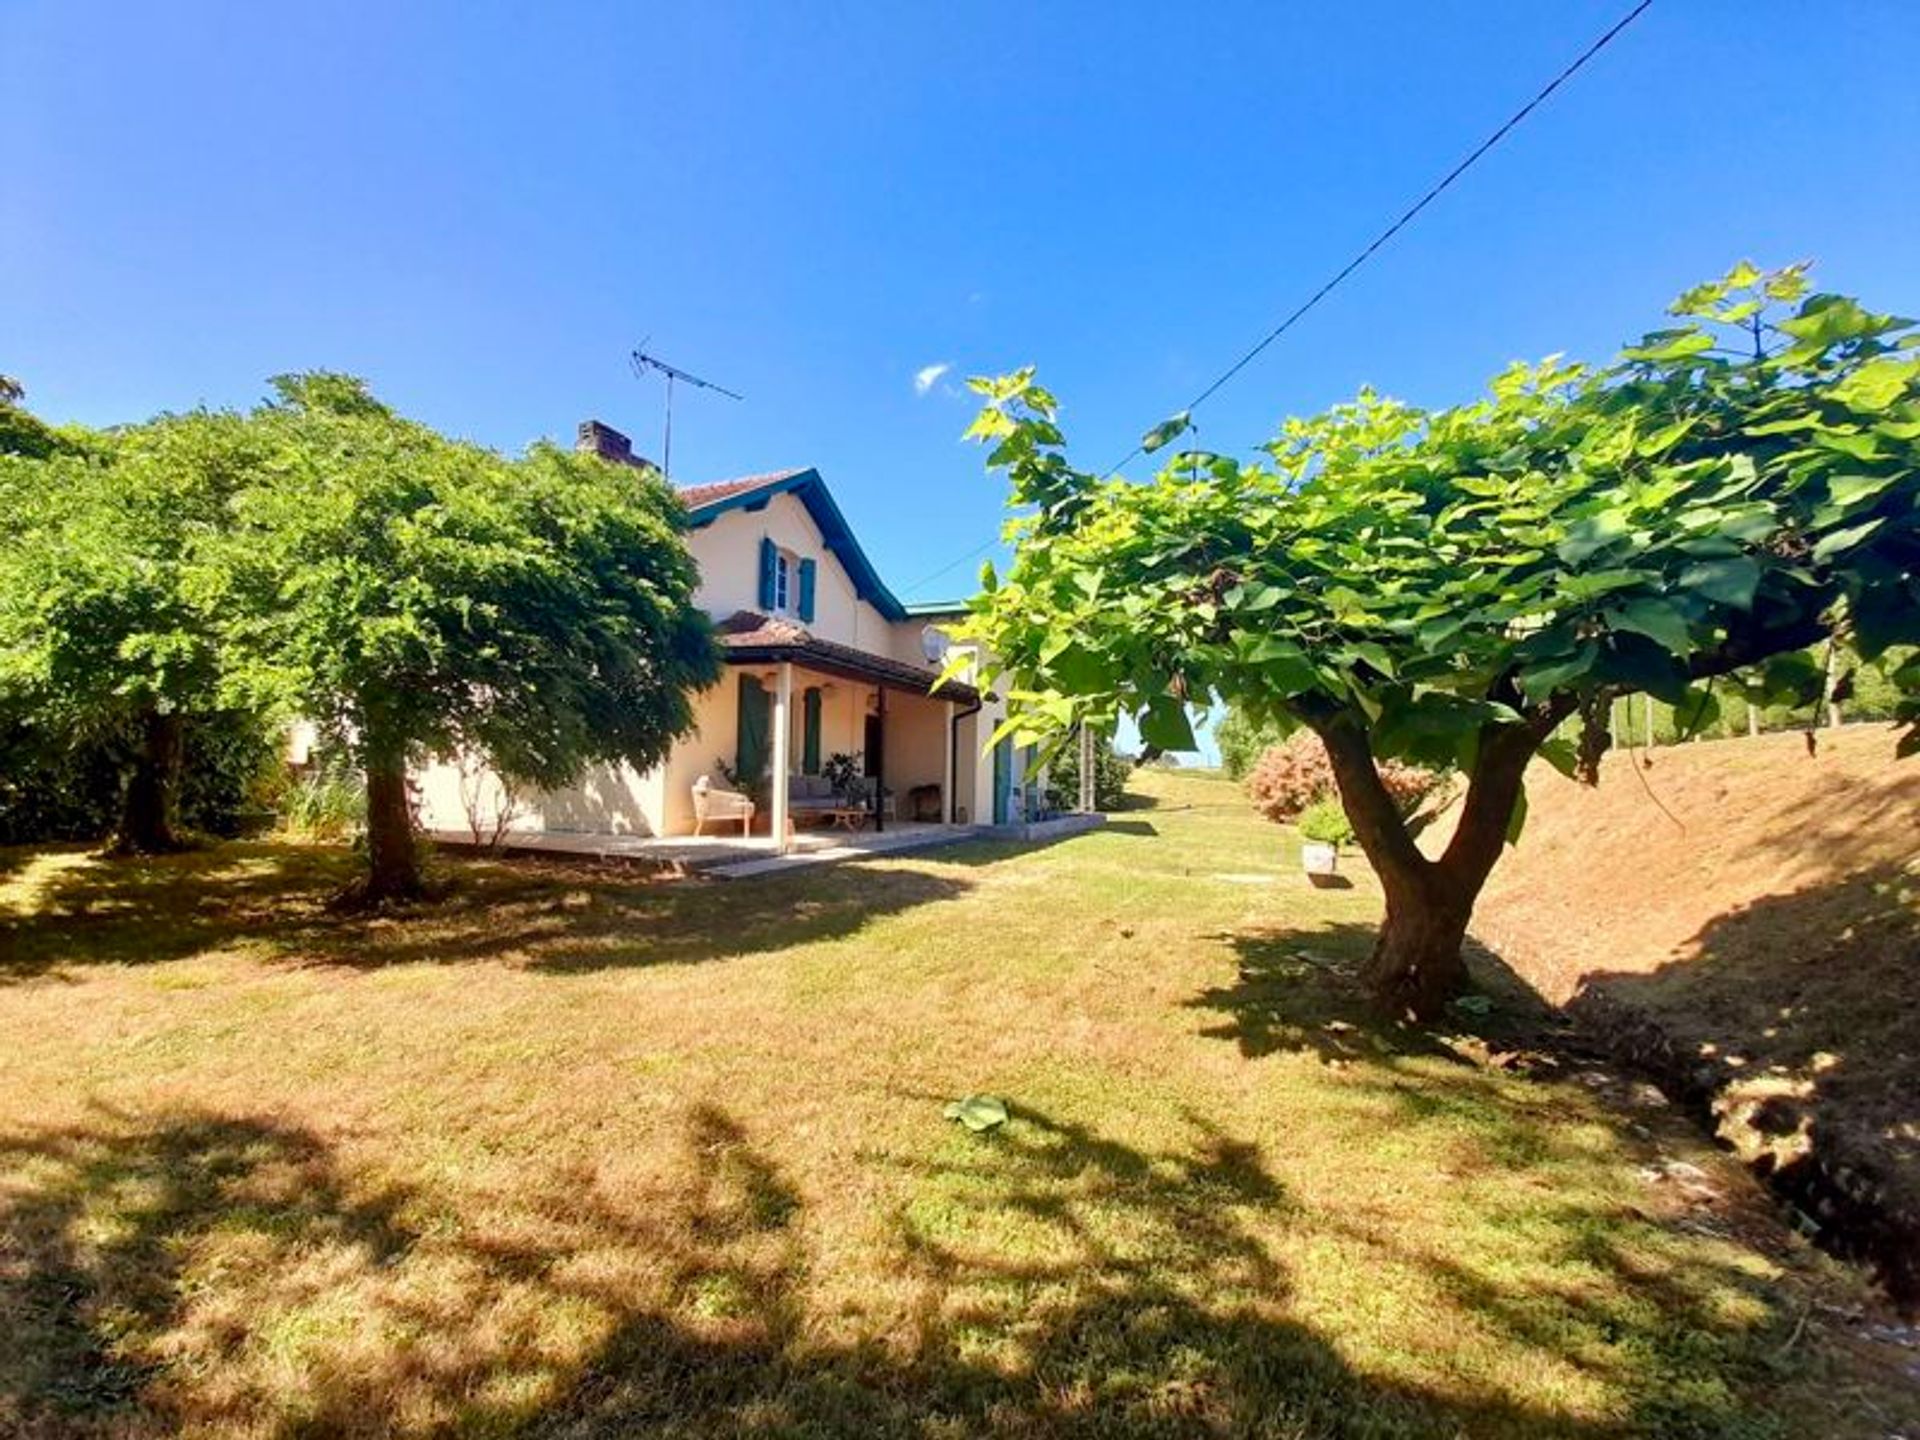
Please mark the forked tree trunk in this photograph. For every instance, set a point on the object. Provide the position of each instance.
(393, 868)
(149, 823)
(1416, 966)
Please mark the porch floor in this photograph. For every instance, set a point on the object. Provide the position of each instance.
(730, 857)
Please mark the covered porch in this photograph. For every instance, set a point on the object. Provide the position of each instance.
(849, 746)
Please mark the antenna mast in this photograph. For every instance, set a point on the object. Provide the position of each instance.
(642, 363)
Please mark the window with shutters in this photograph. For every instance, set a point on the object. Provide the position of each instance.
(783, 583)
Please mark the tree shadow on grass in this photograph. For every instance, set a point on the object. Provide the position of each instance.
(552, 917)
(195, 1271)
(71, 906)
(1062, 1283)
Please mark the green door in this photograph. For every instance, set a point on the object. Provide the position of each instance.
(750, 747)
(1002, 781)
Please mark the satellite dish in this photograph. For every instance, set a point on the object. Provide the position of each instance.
(933, 644)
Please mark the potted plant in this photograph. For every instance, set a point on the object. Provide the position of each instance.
(1324, 828)
(842, 772)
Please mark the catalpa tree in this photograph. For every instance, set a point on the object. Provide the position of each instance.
(1473, 587)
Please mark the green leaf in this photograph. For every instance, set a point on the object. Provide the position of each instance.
(1517, 821)
(1731, 581)
(1885, 615)
(1847, 491)
(1588, 536)
(1166, 432)
(1658, 620)
(1165, 725)
(1282, 664)
(1539, 681)
(1596, 583)
(1833, 544)
(1563, 755)
(1878, 383)
(1663, 346)
(1795, 679)
(978, 1112)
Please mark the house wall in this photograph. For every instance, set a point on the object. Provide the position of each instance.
(608, 800)
(615, 799)
(727, 549)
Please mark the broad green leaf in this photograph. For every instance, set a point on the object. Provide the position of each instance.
(1587, 537)
(1562, 755)
(1878, 383)
(978, 1112)
(1846, 491)
(1659, 620)
(1165, 724)
(1838, 541)
(1731, 581)
(1541, 680)
(1166, 432)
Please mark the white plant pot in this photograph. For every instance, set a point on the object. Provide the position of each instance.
(1319, 858)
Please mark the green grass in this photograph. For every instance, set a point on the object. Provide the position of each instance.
(578, 1153)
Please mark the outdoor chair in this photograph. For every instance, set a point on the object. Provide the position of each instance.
(711, 802)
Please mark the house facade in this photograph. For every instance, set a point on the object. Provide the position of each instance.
(821, 660)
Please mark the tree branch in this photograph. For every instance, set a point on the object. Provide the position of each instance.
(1751, 644)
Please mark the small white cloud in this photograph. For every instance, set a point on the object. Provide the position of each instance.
(928, 376)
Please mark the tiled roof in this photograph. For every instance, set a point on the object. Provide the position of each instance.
(750, 636)
(694, 496)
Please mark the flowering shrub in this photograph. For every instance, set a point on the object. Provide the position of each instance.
(1290, 776)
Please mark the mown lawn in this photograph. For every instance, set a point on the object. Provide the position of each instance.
(583, 1154)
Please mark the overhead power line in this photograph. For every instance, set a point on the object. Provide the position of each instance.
(1339, 277)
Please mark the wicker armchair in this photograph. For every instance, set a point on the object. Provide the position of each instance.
(711, 802)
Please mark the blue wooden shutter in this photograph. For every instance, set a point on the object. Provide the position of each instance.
(806, 592)
(769, 562)
(810, 738)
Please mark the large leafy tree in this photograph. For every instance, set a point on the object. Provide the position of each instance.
(1472, 587)
(107, 630)
(416, 596)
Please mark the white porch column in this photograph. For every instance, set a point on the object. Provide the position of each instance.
(947, 776)
(782, 753)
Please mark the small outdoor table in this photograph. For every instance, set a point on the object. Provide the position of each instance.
(849, 817)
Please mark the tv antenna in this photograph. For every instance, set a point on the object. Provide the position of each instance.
(642, 363)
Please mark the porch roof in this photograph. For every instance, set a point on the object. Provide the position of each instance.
(749, 638)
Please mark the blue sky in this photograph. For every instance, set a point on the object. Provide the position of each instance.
(483, 208)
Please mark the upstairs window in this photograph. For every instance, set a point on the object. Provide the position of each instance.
(783, 583)
(786, 582)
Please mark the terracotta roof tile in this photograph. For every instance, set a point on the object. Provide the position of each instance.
(750, 631)
(694, 496)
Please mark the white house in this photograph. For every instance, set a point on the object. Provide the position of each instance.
(821, 659)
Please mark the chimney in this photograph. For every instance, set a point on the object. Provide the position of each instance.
(606, 442)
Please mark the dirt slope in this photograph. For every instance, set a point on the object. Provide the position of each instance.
(1745, 918)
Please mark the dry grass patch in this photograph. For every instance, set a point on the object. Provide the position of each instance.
(578, 1153)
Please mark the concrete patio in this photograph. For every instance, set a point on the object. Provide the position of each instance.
(736, 857)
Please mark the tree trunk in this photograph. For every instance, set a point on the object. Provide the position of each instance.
(1416, 966)
(393, 858)
(149, 809)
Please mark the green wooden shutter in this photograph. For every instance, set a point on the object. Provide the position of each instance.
(769, 562)
(810, 741)
(806, 592)
(750, 744)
